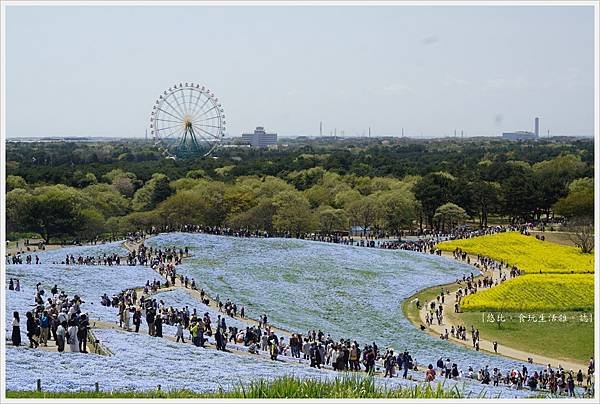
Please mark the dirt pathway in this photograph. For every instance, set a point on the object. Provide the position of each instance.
(131, 246)
(452, 319)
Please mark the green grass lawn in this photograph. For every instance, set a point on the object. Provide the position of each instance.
(410, 309)
(349, 386)
(573, 340)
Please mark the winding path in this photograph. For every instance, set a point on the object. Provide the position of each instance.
(452, 319)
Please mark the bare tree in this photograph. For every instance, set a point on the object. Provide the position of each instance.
(583, 235)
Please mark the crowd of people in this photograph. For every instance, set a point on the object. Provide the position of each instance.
(557, 381)
(62, 316)
(55, 317)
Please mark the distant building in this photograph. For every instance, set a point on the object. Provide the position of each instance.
(519, 135)
(523, 134)
(260, 138)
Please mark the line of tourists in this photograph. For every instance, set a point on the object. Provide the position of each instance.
(556, 381)
(55, 317)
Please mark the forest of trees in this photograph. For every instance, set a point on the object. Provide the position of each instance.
(79, 190)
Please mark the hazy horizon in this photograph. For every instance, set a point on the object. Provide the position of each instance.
(97, 70)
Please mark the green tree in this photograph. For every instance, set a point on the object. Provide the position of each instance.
(579, 203)
(486, 197)
(57, 211)
(433, 190)
(83, 180)
(93, 224)
(213, 203)
(258, 217)
(292, 213)
(520, 197)
(344, 198)
(154, 191)
(364, 212)
(17, 208)
(106, 199)
(184, 207)
(449, 215)
(331, 219)
(304, 179)
(125, 182)
(196, 174)
(15, 182)
(398, 211)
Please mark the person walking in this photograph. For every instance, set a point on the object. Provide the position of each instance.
(194, 333)
(150, 321)
(32, 330)
(82, 333)
(137, 319)
(126, 317)
(158, 326)
(389, 363)
(571, 384)
(16, 329)
(44, 328)
(60, 336)
(179, 333)
(72, 337)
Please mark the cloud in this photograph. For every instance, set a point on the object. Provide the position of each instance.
(501, 83)
(396, 88)
(430, 40)
(451, 81)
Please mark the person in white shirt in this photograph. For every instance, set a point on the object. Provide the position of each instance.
(73, 340)
(60, 336)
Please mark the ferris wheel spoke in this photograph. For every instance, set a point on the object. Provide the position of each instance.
(210, 134)
(174, 126)
(186, 103)
(176, 132)
(183, 101)
(191, 98)
(196, 103)
(208, 126)
(160, 109)
(175, 110)
(201, 108)
(168, 120)
(207, 119)
(207, 111)
(200, 121)
(177, 102)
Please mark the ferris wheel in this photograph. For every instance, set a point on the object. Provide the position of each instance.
(187, 120)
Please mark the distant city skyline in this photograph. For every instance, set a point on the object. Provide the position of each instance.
(422, 70)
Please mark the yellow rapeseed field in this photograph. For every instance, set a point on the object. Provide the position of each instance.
(536, 293)
(526, 252)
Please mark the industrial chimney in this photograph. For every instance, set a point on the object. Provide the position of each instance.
(537, 128)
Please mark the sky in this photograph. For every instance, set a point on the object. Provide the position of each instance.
(97, 70)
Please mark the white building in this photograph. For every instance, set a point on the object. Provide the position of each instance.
(519, 135)
(523, 134)
(260, 138)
